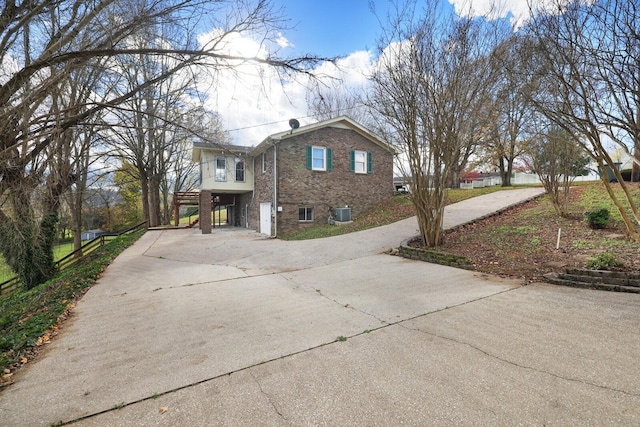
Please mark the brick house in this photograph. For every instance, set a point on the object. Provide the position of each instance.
(320, 169)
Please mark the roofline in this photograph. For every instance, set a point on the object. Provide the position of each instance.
(280, 136)
(222, 148)
(277, 137)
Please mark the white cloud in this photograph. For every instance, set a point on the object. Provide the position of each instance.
(283, 42)
(231, 44)
(8, 67)
(495, 9)
(255, 101)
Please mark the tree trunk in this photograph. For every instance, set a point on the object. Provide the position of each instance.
(506, 179)
(635, 168)
(505, 175)
(154, 202)
(144, 185)
(76, 224)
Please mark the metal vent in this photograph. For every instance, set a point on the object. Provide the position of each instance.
(343, 214)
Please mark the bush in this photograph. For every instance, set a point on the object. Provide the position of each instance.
(604, 261)
(597, 219)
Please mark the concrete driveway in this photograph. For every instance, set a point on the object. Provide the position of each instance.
(236, 329)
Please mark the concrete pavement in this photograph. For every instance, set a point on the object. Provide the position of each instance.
(235, 329)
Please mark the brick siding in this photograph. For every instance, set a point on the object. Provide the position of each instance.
(320, 190)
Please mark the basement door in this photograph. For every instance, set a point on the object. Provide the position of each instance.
(265, 218)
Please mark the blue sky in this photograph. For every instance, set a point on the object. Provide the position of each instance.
(254, 104)
(332, 27)
(340, 27)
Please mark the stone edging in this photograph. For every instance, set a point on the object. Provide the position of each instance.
(618, 281)
(433, 256)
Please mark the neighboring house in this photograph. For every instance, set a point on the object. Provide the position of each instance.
(299, 177)
(91, 234)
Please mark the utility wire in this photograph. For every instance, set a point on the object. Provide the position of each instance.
(286, 120)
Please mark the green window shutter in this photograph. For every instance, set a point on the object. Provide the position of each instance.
(309, 157)
(369, 162)
(329, 159)
(352, 161)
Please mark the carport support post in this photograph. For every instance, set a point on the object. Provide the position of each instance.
(205, 211)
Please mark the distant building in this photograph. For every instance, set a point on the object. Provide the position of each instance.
(91, 234)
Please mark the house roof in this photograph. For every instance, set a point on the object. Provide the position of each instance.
(222, 148)
(342, 122)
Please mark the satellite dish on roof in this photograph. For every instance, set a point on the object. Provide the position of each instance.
(294, 124)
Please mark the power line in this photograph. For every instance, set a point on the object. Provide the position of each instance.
(287, 120)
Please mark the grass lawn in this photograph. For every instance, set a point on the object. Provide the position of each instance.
(393, 209)
(218, 216)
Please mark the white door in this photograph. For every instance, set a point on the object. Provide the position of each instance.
(265, 218)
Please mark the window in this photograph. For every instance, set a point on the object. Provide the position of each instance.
(239, 170)
(305, 214)
(361, 162)
(221, 168)
(264, 162)
(319, 158)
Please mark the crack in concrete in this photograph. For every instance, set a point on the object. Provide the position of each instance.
(152, 244)
(265, 394)
(283, 357)
(518, 365)
(348, 306)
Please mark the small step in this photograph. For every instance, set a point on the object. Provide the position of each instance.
(606, 274)
(619, 281)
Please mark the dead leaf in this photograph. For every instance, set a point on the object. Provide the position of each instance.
(164, 409)
(23, 360)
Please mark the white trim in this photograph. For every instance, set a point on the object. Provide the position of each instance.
(307, 210)
(324, 158)
(342, 122)
(236, 161)
(356, 162)
(215, 173)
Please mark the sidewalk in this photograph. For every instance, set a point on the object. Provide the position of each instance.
(235, 329)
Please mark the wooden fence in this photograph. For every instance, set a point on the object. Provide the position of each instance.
(13, 284)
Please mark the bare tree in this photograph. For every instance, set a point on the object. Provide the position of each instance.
(42, 42)
(587, 65)
(430, 86)
(557, 158)
(332, 99)
(510, 112)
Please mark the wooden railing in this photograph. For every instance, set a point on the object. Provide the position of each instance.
(14, 284)
(10, 286)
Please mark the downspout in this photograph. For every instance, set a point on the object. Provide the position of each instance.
(275, 189)
(253, 194)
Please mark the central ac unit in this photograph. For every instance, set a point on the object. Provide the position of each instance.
(343, 214)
